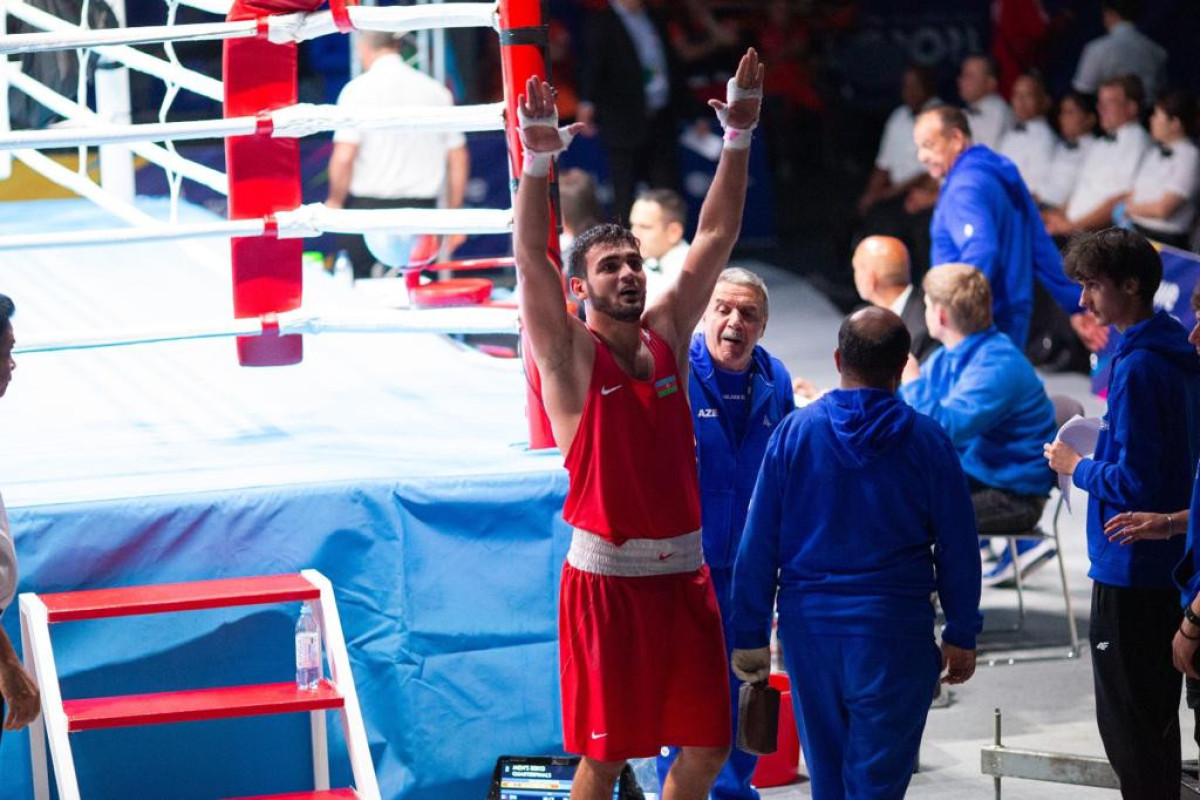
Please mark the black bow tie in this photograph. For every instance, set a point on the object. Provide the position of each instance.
(1106, 136)
(1071, 145)
(1166, 151)
(1019, 127)
(973, 111)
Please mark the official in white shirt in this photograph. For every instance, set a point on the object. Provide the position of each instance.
(989, 115)
(1031, 141)
(373, 169)
(1076, 123)
(1123, 50)
(1163, 203)
(1111, 163)
(17, 690)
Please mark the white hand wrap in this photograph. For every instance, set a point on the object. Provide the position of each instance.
(737, 138)
(537, 164)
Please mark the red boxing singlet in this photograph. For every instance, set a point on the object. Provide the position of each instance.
(633, 461)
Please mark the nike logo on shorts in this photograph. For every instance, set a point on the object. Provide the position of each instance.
(607, 390)
(664, 556)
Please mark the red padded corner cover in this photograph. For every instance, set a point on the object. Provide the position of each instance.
(264, 177)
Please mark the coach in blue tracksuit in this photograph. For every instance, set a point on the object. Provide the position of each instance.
(739, 395)
(986, 217)
(860, 513)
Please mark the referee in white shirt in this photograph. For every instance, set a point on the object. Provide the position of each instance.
(373, 169)
(1162, 205)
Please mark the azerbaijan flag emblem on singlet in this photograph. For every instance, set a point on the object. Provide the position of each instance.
(666, 386)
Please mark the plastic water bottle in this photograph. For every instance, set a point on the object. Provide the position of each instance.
(308, 650)
(343, 269)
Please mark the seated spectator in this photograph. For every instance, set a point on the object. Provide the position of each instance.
(657, 219)
(1111, 163)
(989, 115)
(1076, 123)
(1162, 205)
(1031, 141)
(883, 278)
(1123, 50)
(987, 397)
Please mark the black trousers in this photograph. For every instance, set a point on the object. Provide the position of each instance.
(353, 243)
(1137, 687)
(1002, 511)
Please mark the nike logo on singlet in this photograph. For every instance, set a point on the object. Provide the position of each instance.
(607, 390)
(598, 735)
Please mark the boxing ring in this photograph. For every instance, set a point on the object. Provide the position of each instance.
(391, 458)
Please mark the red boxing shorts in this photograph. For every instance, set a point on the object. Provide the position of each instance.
(642, 661)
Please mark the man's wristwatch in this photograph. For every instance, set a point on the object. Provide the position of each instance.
(1191, 616)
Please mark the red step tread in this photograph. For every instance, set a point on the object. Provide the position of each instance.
(332, 794)
(159, 598)
(197, 704)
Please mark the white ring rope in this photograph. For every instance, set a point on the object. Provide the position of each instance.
(302, 119)
(281, 28)
(207, 176)
(303, 222)
(67, 33)
(469, 320)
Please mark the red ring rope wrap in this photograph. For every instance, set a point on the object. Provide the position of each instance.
(264, 177)
(341, 16)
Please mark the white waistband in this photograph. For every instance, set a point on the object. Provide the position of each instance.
(636, 558)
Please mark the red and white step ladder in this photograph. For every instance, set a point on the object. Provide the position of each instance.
(60, 717)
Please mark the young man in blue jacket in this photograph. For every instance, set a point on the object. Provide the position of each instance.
(740, 394)
(987, 397)
(986, 217)
(1144, 461)
(860, 513)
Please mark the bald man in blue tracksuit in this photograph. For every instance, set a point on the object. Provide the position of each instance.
(860, 513)
(986, 217)
(739, 394)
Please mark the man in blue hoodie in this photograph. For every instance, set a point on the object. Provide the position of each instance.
(986, 217)
(854, 548)
(1144, 461)
(985, 394)
(739, 394)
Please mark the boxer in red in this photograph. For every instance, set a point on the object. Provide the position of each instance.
(642, 657)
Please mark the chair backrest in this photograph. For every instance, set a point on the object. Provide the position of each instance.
(1065, 408)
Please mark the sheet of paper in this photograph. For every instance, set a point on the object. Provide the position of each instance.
(1080, 434)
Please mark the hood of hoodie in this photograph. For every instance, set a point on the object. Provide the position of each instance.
(865, 423)
(1165, 335)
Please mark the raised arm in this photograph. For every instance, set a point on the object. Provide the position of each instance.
(675, 313)
(539, 284)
